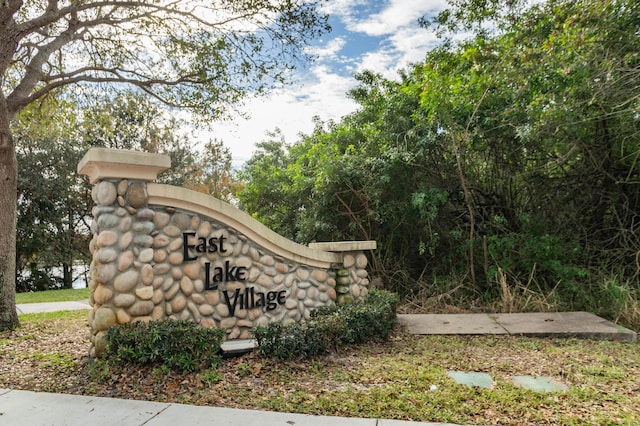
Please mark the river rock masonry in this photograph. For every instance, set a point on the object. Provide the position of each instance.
(165, 252)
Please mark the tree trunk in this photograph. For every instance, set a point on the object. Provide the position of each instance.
(8, 190)
(67, 275)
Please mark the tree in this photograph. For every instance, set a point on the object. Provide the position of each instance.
(516, 149)
(266, 195)
(557, 137)
(202, 55)
(212, 172)
(53, 200)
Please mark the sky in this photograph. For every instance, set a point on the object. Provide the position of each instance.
(377, 35)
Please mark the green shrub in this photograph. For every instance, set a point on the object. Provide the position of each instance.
(179, 345)
(330, 327)
(371, 319)
(554, 259)
(296, 340)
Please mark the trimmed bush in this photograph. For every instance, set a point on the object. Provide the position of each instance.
(372, 319)
(296, 340)
(330, 327)
(179, 345)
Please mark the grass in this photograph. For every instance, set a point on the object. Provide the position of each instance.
(396, 382)
(46, 317)
(405, 378)
(62, 295)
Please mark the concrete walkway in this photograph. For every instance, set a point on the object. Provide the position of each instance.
(582, 325)
(36, 308)
(25, 408)
(39, 408)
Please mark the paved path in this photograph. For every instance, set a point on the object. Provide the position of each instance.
(25, 408)
(552, 324)
(36, 308)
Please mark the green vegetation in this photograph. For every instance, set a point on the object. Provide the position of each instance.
(330, 328)
(499, 174)
(45, 317)
(179, 345)
(211, 376)
(373, 318)
(62, 295)
(394, 379)
(52, 359)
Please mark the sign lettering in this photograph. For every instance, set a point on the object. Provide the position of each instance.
(248, 298)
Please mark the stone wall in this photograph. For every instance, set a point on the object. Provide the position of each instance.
(154, 261)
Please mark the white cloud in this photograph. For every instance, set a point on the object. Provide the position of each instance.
(412, 44)
(321, 91)
(404, 41)
(381, 62)
(330, 50)
(397, 22)
(291, 110)
(395, 14)
(343, 9)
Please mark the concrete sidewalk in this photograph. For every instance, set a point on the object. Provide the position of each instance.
(36, 308)
(581, 325)
(25, 408)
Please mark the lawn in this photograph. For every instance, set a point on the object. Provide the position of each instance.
(62, 295)
(405, 378)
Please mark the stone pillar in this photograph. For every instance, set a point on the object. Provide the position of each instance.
(352, 279)
(121, 280)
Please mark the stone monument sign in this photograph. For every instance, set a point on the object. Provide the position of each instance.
(161, 252)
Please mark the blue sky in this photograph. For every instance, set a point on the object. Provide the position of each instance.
(378, 35)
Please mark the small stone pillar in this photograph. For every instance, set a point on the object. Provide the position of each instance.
(352, 280)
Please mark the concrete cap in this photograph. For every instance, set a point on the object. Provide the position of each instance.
(473, 324)
(583, 325)
(341, 246)
(103, 163)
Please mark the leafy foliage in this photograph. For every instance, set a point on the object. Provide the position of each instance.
(330, 328)
(212, 173)
(54, 202)
(205, 55)
(295, 340)
(178, 345)
(372, 319)
(515, 148)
